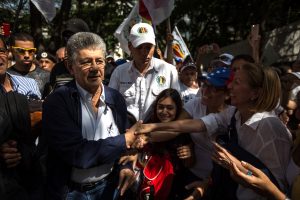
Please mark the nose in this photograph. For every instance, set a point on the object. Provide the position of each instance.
(26, 54)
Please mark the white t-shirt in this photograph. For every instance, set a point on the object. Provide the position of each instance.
(188, 93)
(140, 91)
(264, 136)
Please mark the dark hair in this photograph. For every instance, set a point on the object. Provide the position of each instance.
(20, 36)
(244, 57)
(174, 95)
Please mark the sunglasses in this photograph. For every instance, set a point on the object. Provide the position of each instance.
(22, 51)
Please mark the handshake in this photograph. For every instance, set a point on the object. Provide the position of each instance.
(138, 135)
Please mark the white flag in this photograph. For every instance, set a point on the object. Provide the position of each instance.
(180, 50)
(159, 10)
(46, 7)
(122, 32)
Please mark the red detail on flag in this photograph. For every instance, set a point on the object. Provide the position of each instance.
(143, 11)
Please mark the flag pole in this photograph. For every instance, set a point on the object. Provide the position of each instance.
(169, 39)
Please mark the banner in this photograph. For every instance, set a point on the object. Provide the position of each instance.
(46, 8)
(180, 50)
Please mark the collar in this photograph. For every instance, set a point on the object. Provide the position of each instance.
(86, 96)
(253, 121)
(152, 66)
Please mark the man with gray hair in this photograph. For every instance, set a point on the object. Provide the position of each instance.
(83, 122)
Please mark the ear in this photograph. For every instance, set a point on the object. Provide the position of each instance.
(130, 46)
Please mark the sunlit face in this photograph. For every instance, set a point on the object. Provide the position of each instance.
(24, 59)
(166, 110)
(212, 96)
(188, 76)
(142, 54)
(88, 69)
(241, 93)
(46, 64)
(3, 58)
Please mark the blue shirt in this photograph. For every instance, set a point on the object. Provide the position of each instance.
(26, 86)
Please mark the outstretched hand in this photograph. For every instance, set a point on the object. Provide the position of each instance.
(256, 180)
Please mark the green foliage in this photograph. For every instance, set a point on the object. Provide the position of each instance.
(220, 21)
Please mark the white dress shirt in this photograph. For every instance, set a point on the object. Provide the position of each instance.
(95, 126)
(264, 136)
(140, 91)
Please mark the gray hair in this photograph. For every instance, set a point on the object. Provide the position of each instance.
(83, 40)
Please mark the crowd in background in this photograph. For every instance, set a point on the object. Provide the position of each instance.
(80, 124)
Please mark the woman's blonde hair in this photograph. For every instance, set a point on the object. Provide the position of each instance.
(266, 80)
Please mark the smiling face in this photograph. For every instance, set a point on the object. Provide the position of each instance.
(241, 93)
(88, 69)
(3, 58)
(142, 55)
(166, 110)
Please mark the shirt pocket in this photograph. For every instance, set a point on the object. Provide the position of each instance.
(128, 94)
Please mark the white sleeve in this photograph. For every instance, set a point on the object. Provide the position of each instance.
(218, 121)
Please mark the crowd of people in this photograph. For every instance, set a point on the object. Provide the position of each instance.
(79, 125)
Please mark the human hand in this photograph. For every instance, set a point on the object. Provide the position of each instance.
(256, 180)
(126, 179)
(144, 128)
(128, 158)
(130, 136)
(10, 154)
(222, 157)
(184, 152)
(199, 189)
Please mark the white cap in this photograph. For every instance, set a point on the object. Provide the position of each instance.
(141, 33)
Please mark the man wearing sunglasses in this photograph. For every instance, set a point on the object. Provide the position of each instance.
(23, 51)
(17, 145)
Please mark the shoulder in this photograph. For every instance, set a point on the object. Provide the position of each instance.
(123, 67)
(163, 65)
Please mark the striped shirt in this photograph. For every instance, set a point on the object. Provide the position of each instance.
(26, 86)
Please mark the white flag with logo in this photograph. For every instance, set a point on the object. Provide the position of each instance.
(123, 31)
(180, 50)
(46, 8)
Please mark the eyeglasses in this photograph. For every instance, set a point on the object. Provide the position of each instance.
(3, 51)
(89, 63)
(22, 51)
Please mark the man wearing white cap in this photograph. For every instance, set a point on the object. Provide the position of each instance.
(142, 79)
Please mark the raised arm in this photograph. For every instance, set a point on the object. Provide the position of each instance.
(180, 126)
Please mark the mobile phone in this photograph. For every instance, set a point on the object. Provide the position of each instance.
(6, 29)
(255, 31)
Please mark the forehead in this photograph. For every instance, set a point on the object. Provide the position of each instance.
(24, 44)
(45, 60)
(90, 53)
(166, 100)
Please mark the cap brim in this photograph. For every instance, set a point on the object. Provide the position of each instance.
(138, 41)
